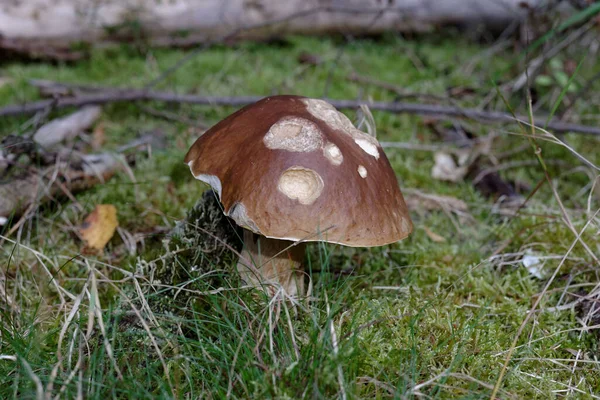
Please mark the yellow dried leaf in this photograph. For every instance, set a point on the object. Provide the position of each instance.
(434, 236)
(99, 227)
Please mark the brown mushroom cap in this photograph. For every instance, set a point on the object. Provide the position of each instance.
(295, 168)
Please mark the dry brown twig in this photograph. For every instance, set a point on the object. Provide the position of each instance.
(112, 95)
(397, 90)
(65, 177)
(57, 170)
(19, 194)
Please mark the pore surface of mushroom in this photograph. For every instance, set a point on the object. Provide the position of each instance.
(291, 168)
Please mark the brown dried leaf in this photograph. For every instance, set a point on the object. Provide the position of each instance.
(434, 236)
(100, 226)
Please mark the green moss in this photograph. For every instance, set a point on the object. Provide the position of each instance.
(437, 314)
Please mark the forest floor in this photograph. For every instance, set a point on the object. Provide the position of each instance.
(436, 315)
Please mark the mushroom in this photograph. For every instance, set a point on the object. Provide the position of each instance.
(290, 170)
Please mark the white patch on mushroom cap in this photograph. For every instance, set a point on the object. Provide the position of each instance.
(302, 184)
(362, 171)
(328, 113)
(368, 147)
(333, 154)
(336, 120)
(294, 134)
(239, 214)
(212, 180)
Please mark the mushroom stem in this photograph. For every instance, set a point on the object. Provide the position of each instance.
(277, 261)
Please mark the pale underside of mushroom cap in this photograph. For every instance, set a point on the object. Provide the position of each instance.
(294, 168)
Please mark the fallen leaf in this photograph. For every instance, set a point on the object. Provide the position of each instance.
(99, 227)
(446, 169)
(434, 236)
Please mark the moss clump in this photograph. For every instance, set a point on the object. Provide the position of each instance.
(205, 241)
(200, 255)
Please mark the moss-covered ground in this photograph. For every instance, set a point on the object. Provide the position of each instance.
(433, 316)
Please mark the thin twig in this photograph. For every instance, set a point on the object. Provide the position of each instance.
(397, 90)
(127, 95)
(171, 116)
(513, 164)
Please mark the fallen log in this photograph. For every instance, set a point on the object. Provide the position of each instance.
(54, 26)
